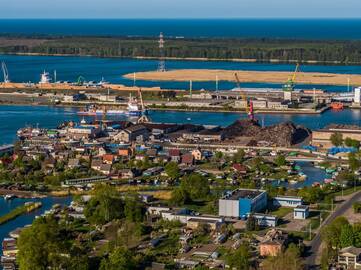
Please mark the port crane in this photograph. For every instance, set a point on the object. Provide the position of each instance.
(143, 118)
(290, 84)
(5, 72)
(248, 105)
(81, 81)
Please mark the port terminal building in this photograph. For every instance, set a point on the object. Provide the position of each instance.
(240, 203)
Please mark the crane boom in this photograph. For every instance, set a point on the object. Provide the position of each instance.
(141, 98)
(295, 73)
(244, 97)
(5, 72)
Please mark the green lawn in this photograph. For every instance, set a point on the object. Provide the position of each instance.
(282, 211)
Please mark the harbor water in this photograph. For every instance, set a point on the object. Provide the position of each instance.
(14, 117)
(69, 68)
(26, 219)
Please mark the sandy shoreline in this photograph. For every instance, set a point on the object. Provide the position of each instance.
(248, 76)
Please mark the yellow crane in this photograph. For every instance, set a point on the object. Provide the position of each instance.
(290, 84)
(295, 73)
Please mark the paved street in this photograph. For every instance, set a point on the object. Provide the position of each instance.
(315, 250)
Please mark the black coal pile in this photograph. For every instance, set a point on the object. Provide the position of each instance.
(283, 134)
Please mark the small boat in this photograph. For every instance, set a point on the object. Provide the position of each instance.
(337, 105)
(316, 184)
(302, 176)
(9, 197)
(330, 170)
(189, 119)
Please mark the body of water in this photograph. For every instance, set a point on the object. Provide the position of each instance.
(26, 219)
(69, 68)
(14, 117)
(243, 28)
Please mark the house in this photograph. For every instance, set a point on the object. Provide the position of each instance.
(153, 171)
(197, 154)
(213, 224)
(105, 169)
(140, 157)
(126, 174)
(96, 164)
(301, 212)
(350, 257)
(187, 159)
(273, 243)
(161, 159)
(108, 158)
(240, 168)
(152, 153)
(124, 152)
(73, 163)
(132, 133)
(175, 155)
(49, 162)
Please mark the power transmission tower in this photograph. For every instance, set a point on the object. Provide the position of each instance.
(161, 64)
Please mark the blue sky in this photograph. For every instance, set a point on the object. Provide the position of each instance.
(180, 8)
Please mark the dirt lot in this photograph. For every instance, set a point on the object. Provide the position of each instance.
(247, 76)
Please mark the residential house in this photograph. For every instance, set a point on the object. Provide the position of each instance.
(239, 168)
(127, 173)
(161, 159)
(153, 171)
(301, 212)
(273, 243)
(105, 169)
(96, 164)
(175, 155)
(350, 257)
(152, 153)
(197, 154)
(188, 159)
(212, 223)
(74, 163)
(124, 152)
(109, 158)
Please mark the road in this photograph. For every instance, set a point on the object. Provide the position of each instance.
(316, 242)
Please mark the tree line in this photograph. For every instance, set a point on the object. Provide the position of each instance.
(263, 49)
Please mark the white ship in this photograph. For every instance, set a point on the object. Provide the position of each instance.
(45, 78)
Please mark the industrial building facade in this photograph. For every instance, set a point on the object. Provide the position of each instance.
(241, 202)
